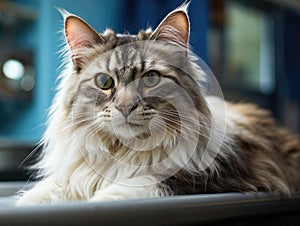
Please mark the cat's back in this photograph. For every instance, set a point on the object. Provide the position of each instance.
(261, 141)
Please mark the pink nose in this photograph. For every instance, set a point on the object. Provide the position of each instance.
(126, 109)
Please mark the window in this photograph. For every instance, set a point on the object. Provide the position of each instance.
(249, 49)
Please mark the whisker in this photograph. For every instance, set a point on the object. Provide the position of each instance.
(195, 131)
(162, 125)
(182, 133)
(196, 141)
(187, 116)
(183, 125)
(30, 154)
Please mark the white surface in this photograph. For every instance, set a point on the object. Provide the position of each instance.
(10, 188)
(8, 191)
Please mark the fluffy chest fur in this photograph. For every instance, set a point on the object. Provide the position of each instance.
(131, 119)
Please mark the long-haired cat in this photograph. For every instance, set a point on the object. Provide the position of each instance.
(131, 120)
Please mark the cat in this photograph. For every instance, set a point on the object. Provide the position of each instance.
(131, 119)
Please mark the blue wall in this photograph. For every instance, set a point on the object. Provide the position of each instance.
(44, 38)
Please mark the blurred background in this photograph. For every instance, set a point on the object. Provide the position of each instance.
(252, 47)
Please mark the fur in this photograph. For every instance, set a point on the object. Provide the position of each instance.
(193, 143)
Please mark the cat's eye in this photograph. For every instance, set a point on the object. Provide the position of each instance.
(104, 81)
(150, 78)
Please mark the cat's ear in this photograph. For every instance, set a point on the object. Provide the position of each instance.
(79, 36)
(174, 28)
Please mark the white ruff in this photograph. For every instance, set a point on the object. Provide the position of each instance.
(81, 165)
(84, 165)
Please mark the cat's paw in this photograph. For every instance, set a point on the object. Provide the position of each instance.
(106, 198)
(30, 198)
(44, 192)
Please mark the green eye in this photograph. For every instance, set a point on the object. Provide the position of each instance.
(150, 78)
(104, 81)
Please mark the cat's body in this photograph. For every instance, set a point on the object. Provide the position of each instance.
(131, 120)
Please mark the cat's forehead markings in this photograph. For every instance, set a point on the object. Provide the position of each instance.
(127, 74)
(122, 58)
(125, 39)
(117, 57)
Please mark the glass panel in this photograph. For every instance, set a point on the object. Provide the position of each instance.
(249, 49)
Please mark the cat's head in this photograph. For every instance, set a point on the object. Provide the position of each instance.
(135, 87)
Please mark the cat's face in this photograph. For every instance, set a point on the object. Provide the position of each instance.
(129, 87)
(133, 86)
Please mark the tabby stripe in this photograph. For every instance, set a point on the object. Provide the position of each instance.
(108, 60)
(133, 73)
(118, 58)
(172, 78)
(142, 66)
(124, 56)
(130, 56)
(85, 80)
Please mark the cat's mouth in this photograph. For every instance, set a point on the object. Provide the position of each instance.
(129, 130)
(130, 124)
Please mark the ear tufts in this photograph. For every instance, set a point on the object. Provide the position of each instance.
(184, 7)
(63, 12)
(79, 36)
(175, 27)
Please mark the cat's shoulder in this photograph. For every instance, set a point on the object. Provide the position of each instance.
(250, 112)
(239, 113)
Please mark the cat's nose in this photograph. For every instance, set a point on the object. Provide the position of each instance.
(126, 109)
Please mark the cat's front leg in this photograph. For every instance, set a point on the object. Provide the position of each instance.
(45, 191)
(134, 188)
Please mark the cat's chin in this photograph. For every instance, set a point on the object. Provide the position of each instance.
(131, 131)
